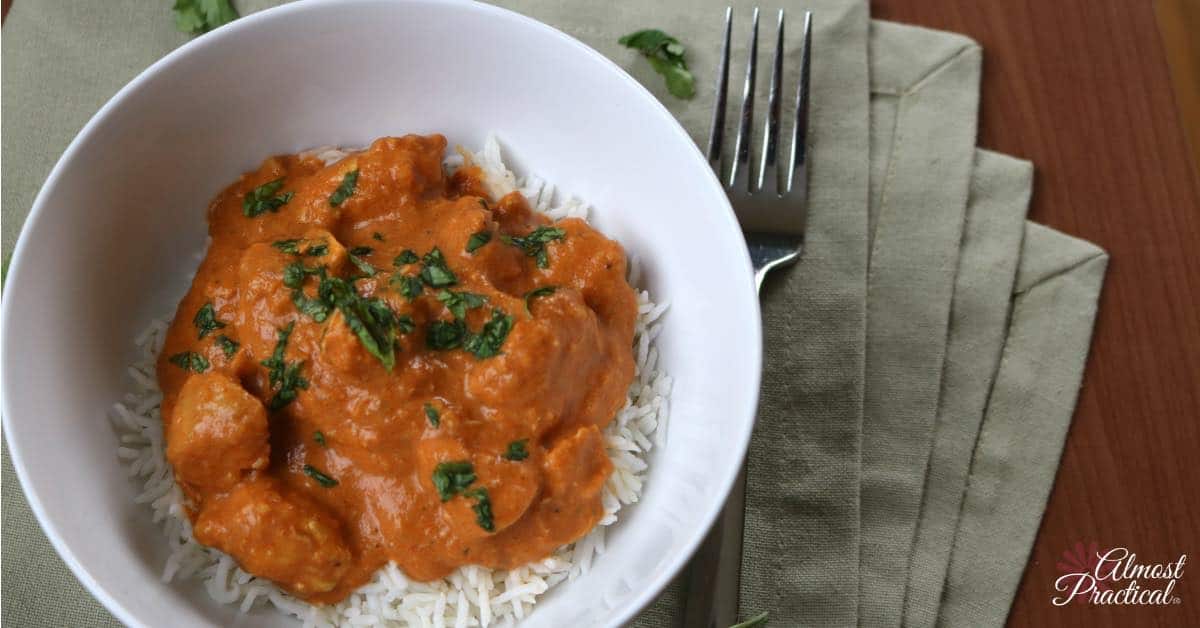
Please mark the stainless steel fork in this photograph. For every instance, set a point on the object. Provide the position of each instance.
(770, 205)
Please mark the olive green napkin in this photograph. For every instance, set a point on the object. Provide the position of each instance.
(1016, 456)
(924, 98)
(983, 288)
(936, 325)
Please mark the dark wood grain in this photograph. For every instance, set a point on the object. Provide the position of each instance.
(1082, 88)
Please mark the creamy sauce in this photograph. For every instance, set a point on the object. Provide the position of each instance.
(317, 477)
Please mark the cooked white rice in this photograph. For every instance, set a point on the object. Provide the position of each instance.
(472, 595)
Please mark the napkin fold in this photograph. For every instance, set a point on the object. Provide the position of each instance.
(924, 99)
(983, 287)
(1016, 458)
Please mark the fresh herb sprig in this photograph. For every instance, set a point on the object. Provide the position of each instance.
(200, 16)
(665, 54)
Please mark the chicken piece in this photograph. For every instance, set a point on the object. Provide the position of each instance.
(266, 302)
(341, 350)
(575, 470)
(218, 432)
(564, 337)
(500, 493)
(284, 537)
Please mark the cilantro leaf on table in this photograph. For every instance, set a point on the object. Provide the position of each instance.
(665, 54)
(200, 16)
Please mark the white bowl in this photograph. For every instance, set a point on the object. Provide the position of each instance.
(113, 238)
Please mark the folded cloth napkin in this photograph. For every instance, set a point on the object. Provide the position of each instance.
(1016, 457)
(924, 99)
(970, 521)
(987, 269)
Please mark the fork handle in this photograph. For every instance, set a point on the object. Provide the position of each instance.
(715, 573)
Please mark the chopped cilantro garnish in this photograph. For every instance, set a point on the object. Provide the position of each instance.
(361, 250)
(295, 272)
(288, 246)
(431, 413)
(405, 257)
(487, 342)
(189, 361)
(459, 302)
(452, 478)
(377, 236)
(228, 345)
(293, 247)
(320, 438)
(369, 318)
(345, 189)
(477, 240)
(321, 478)
(517, 451)
(206, 320)
(482, 507)
(446, 335)
(363, 265)
(316, 309)
(543, 291)
(263, 199)
(535, 243)
(435, 271)
(285, 378)
(410, 286)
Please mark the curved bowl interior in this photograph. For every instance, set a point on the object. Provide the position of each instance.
(117, 230)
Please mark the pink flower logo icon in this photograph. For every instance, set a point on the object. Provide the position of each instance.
(1082, 560)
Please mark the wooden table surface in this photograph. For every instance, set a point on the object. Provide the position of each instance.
(1082, 89)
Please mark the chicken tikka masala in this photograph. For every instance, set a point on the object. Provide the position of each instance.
(378, 362)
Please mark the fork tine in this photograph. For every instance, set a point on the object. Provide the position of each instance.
(741, 164)
(771, 131)
(716, 136)
(797, 179)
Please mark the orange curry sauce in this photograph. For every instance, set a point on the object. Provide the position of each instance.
(376, 362)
